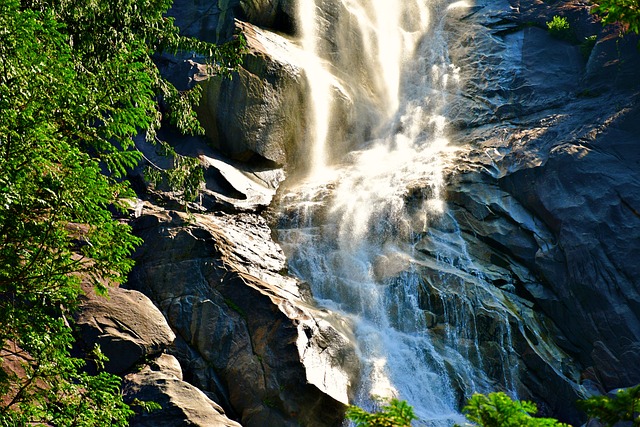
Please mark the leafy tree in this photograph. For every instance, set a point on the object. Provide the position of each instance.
(499, 410)
(624, 406)
(395, 414)
(626, 12)
(77, 82)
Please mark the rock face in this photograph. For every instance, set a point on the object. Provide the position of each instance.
(546, 195)
(160, 382)
(588, 195)
(245, 332)
(549, 189)
(258, 115)
(275, 14)
(126, 325)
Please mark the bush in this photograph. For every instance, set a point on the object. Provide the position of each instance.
(77, 83)
(395, 414)
(499, 410)
(559, 28)
(624, 406)
(626, 12)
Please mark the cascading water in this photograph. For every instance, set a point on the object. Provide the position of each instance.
(371, 232)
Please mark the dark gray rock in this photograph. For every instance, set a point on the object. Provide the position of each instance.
(279, 15)
(588, 195)
(547, 196)
(210, 21)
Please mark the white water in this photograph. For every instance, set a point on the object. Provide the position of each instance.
(320, 87)
(353, 229)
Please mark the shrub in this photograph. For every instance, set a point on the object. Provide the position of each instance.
(624, 406)
(396, 413)
(626, 12)
(587, 45)
(499, 410)
(559, 27)
(77, 83)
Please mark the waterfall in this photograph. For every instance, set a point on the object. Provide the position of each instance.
(369, 229)
(320, 86)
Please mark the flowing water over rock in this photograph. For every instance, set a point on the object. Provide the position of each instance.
(462, 194)
(372, 235)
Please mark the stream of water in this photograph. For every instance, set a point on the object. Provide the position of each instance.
(369, 229)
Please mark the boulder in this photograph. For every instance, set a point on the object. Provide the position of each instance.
(228, 186)
(160, 382)
(221, 283)
(126, 325)
(258, 115)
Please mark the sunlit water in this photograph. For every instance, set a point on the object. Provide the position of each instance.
(355, 227)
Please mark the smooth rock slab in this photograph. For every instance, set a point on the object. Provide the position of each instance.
(182, 404)
(258, 115)
(126, 325)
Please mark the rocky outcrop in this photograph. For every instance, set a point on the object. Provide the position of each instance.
(160, 381)
(126, 325)
(547, 195)
(258, 115)
(245, 332)
(229, 186)
(134, 335)
(279, 15)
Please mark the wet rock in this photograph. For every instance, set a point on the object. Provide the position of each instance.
(219, 282)
(548, 193)
(126, 325)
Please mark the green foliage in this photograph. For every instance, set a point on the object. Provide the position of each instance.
(76, 84)
(394, 414)
(626, 12)
(587, 45)
(624, 406)
(185, 175)
(559, 28)
(499, 410)
(146, 406)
